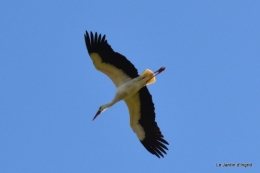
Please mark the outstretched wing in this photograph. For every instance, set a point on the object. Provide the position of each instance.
(142, 121)
(113, 64)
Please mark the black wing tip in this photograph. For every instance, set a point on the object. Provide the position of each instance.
(154, 140)
(96, 35)
(93, 40)
(156, 146)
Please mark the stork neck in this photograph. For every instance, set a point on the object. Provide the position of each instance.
(109, 105)
(119, 96)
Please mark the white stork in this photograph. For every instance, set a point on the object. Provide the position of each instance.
(131, 88)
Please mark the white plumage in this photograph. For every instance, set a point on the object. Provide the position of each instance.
(131, 88)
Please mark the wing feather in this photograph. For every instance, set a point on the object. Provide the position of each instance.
(141, 110)
(111, 63)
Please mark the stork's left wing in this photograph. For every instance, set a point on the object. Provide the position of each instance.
(142, 121)
(105, 59)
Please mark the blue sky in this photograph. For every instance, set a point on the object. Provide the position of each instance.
(207, 100)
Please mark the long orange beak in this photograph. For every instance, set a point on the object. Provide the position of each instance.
(98, 112)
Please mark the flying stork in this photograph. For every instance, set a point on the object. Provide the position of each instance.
(131, 88)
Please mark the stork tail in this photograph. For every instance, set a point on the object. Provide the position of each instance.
(149, 74)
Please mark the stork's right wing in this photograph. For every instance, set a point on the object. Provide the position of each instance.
(142, 121)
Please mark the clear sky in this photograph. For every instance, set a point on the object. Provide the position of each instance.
(207, 100)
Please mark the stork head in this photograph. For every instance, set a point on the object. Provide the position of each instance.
(100, 110)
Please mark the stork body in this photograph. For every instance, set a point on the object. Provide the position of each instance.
(131, 88)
